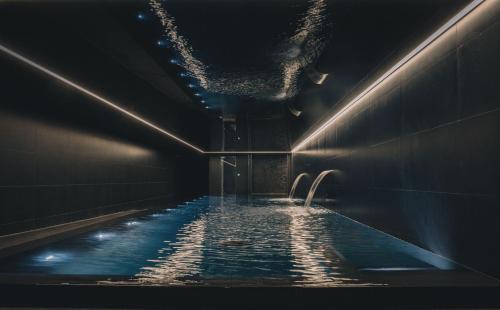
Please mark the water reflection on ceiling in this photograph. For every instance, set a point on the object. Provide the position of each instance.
(281, 65)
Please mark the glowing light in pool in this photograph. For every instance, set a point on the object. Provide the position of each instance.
(51, 257)
(104, 236)
(132, 223)
(141, 16)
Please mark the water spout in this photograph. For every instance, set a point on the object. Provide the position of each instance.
(315, 185)
(296, 183)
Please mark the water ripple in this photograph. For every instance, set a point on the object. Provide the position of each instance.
(300, 49)
(231, 242)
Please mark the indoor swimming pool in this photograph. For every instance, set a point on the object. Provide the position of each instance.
(232, 241)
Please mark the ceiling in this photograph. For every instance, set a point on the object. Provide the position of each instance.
(257, 50)
(213, 55)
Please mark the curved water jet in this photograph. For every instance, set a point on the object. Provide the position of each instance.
(296, 183)
(315, 185)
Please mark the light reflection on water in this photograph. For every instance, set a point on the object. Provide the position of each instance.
(259, 241)
(176, 268)
(314, 260)
(232, 241)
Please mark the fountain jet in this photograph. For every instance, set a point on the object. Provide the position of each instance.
(315, 185)
(296, 183)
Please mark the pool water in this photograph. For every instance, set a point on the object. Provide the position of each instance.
(233, 241)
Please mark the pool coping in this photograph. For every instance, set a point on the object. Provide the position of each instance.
(22, 241)
(11, 244)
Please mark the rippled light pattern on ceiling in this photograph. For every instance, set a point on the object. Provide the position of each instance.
(290, 57)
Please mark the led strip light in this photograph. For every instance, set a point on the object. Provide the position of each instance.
(244, 152)
(443, 29)
(116, 107)
(97, 97)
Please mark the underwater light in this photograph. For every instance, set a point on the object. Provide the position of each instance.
(97, 97)
(358, 99)
(51, 257)
(140, 16)
(104, 236)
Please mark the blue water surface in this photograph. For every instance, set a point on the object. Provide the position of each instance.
(232, 240)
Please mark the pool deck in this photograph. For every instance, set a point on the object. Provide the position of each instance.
(147, 297)
(14, 243)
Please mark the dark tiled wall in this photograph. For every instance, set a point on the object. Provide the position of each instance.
(268, 131)
(258, 126)
(51, 174)
(64, 156)
(419, 158)
(270, 174)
